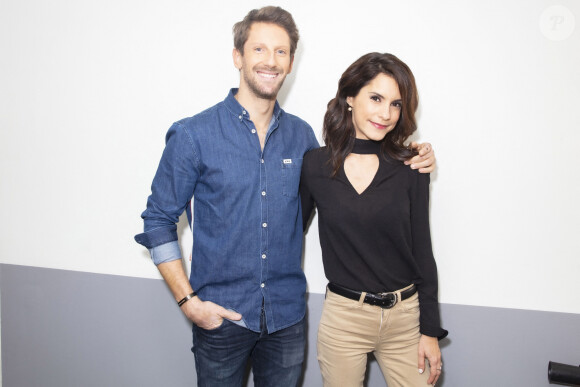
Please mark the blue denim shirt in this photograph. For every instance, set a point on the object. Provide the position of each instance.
(247, 224)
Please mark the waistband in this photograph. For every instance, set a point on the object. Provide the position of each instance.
(384, 300)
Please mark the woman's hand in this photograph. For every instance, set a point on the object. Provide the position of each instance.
(429, 348)
(425, 160)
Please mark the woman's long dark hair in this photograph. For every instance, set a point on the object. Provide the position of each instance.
(338, 131)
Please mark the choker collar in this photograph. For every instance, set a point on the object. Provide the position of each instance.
(366, 147)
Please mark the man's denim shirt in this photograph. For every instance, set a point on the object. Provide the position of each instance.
(247, 223)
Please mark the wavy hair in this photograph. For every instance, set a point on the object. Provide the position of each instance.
(338, 131)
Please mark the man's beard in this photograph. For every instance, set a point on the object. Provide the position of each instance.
(254, 86)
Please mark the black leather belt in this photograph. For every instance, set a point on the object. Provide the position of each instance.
(384, 300)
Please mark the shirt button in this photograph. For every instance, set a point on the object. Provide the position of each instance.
(262, 161)
(262, 285)
(240, 117)
(264, 224)
(244, 112)
(263, 256)
(263, 193)
(253, 130)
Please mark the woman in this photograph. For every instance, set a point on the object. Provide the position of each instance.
(374, 231)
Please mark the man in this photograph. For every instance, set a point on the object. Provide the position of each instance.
(240, 161)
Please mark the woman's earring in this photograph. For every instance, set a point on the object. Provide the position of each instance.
(350, 108)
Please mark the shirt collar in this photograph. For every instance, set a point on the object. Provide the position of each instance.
(238, 110)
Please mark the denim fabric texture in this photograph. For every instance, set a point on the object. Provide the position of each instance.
(222, 354)
(247, 224)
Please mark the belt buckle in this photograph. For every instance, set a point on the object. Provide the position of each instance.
(387, 300)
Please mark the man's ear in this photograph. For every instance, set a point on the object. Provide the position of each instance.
(237, 57)
(291, 64)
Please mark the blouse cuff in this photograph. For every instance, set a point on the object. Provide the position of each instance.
(437, 332)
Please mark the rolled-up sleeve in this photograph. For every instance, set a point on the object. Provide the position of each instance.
(171, 191)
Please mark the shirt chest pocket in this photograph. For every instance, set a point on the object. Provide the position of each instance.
(291, 176)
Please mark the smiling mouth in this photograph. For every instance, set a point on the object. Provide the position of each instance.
(267, 75)
(378, 126)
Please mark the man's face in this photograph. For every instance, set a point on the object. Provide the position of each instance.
(266, 60)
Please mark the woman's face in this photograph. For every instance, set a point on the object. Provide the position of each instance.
(376, 108)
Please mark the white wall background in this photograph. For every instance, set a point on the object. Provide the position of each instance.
(88, 90)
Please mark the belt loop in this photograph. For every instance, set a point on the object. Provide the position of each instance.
(398, 293)
(362, 299)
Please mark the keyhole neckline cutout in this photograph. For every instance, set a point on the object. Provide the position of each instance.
(362, 165)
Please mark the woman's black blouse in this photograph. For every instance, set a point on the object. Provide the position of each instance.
(379, 240)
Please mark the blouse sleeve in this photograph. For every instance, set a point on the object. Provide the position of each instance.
(423, 254)
(306, 199)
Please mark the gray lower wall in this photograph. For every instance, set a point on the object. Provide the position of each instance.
(63, 328)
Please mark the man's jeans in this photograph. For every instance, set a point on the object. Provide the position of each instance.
(221, 355)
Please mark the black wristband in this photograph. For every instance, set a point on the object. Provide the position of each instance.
(186, 298)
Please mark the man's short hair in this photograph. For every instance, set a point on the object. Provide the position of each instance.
(270, 14)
